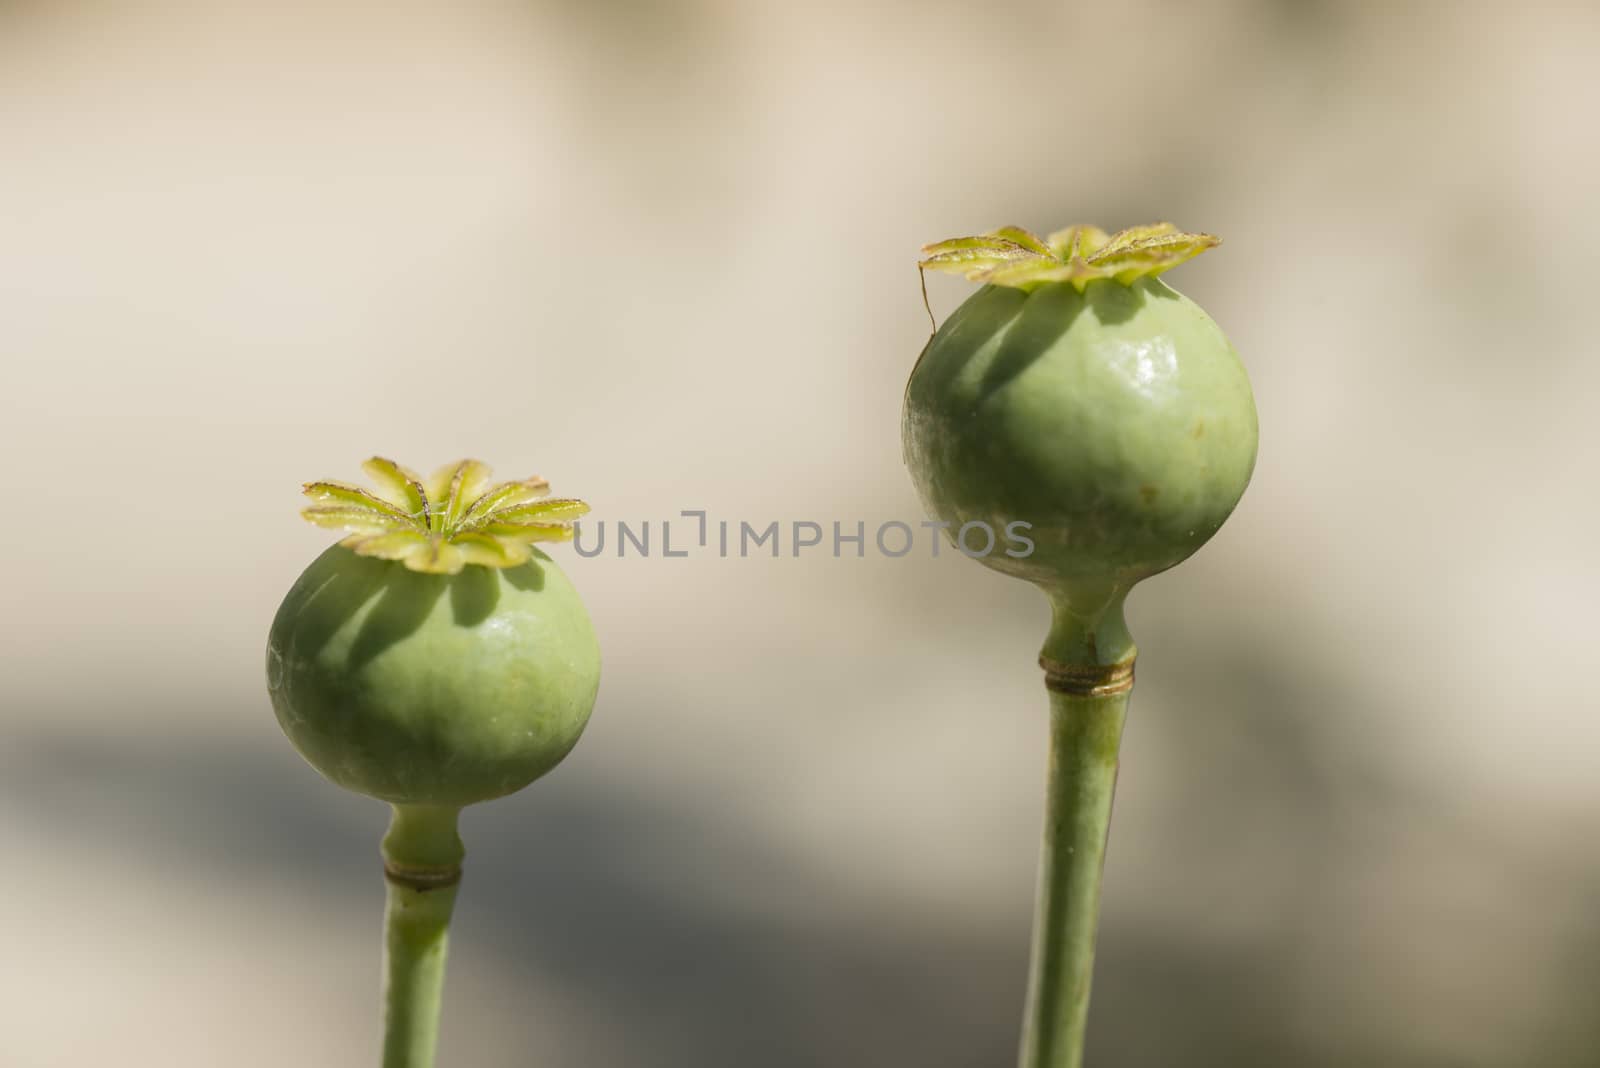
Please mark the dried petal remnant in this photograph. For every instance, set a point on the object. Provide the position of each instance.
(441, 524)
(1080, 254)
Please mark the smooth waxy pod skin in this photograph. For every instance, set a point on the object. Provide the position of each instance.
(1117, 421)
(434, 689)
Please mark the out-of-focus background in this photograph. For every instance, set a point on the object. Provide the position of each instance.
(663, 254)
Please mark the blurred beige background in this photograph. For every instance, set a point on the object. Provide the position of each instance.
(663, 254)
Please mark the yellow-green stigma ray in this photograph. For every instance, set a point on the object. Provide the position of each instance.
(1080, 254)
(440, 524)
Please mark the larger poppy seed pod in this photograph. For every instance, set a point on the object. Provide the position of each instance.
(434, 657)
(1079, 394)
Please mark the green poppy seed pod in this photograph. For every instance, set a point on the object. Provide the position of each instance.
(434, 657)
(422, 688)
(1094, 405)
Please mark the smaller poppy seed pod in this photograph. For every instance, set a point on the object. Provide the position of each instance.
(432, 659)
(403, 672)
(1078, 399)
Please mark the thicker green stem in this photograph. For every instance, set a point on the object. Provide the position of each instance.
(1088, 663)
(422, 856)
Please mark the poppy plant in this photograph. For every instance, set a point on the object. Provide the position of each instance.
(433, 658)
(1078, 393)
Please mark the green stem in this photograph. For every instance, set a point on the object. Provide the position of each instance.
(1088, 664)
(422, 862)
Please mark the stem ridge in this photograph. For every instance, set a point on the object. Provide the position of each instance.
(1087, 680)
(420, 876)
